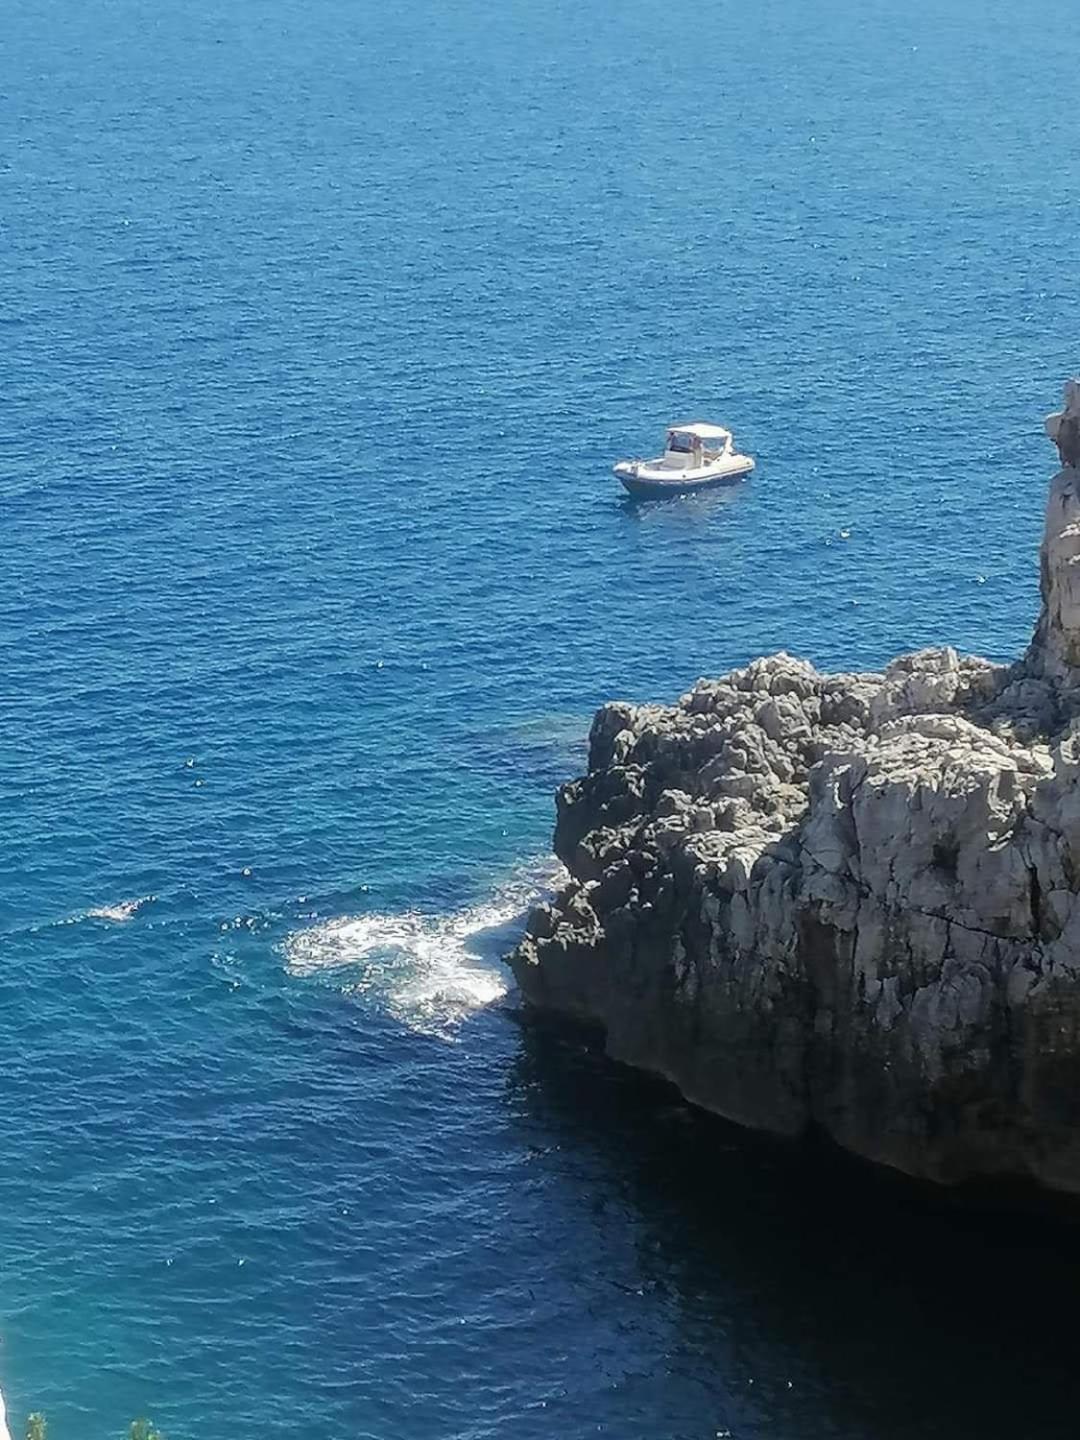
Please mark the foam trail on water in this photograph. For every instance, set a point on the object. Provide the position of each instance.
(428, 970)
(124, 910)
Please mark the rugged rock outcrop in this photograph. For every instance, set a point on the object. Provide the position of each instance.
(847, 901)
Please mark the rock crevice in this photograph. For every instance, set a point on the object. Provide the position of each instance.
(847, 901)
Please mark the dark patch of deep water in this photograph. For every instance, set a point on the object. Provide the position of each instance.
(804, 1293)
(321, 325)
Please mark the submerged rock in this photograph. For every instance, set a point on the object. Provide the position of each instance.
(849, 902)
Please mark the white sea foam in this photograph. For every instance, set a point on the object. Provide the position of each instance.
(124, 910)
(430, 971)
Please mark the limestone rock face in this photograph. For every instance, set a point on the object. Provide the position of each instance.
(847, 901)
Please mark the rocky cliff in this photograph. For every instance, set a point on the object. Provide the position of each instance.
(849, 902)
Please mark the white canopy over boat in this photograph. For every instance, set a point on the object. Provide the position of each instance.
(700, 431)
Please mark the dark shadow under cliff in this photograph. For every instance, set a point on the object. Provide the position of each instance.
(809, 1294)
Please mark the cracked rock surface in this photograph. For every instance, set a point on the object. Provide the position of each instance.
(849, 902)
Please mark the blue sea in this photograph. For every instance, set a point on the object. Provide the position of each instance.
(321, 324)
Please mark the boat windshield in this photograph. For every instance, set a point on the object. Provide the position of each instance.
(679, 441)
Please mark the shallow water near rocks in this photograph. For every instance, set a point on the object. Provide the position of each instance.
(322, 325)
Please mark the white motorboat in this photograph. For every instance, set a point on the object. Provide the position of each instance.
(695, 457)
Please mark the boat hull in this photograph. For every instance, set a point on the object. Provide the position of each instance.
(645, 483)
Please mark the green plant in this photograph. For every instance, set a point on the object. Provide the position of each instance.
(36, 1429)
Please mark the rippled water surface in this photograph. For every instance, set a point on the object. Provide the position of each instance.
(321, 324)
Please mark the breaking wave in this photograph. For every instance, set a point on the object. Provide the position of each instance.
(120, 912)
(429, 971)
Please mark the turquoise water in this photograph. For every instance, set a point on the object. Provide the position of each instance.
(321, 327)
